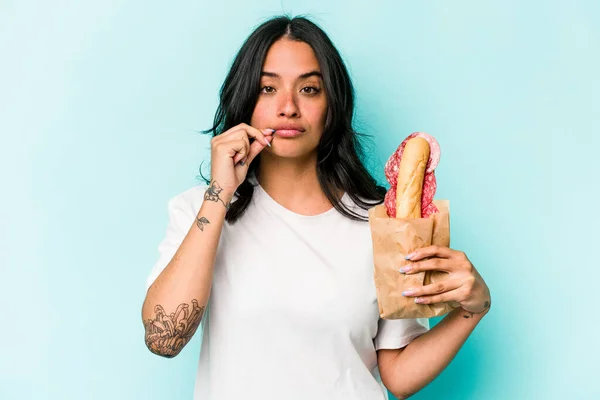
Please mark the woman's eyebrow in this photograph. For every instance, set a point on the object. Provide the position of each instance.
(303, 76)
(311, 73)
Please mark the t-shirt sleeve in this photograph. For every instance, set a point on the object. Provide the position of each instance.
(397, 333)
(181, 217)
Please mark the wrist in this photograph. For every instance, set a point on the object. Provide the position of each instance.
(227, 196)
(219, 194)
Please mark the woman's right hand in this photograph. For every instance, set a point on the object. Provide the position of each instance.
(232, 153)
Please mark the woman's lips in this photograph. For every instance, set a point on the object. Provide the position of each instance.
(287, 132)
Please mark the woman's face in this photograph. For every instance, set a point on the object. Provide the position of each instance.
(292, 99)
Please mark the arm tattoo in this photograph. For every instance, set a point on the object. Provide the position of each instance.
(201, 221)
(167, 334)
(212, 194)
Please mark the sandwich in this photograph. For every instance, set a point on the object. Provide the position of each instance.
(410, 172)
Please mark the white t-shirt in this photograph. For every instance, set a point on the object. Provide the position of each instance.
(293, 310)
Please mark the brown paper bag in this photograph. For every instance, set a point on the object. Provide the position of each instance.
(393, 239)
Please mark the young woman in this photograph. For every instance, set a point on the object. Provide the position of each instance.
(273, 256)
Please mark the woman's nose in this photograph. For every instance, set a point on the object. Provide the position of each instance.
(288, 107)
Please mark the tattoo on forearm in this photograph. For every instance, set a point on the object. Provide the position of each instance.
(167, 334)
(212, 194)
(201, 221)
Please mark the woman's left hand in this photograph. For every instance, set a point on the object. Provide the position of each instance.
(463, 285)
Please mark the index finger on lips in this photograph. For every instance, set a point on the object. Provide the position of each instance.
(243, 129)
(258, 134)
(255, 147)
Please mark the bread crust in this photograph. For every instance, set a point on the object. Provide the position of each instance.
(411, 174)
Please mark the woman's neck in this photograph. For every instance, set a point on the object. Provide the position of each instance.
(293, 184)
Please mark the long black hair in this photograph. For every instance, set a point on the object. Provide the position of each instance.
(339, 153)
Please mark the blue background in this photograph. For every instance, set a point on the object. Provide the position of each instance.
(99, 107)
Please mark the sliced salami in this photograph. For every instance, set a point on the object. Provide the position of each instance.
(390, 202)
(430, 210)
(391, 169)
(429, 188)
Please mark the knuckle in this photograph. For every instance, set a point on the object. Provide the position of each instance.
(470, 282)
(464, 270)
(438, 287)
(464, 265)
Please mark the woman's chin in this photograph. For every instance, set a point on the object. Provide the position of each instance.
(292, 152)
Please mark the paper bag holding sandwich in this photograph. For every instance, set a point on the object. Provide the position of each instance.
(409, 219)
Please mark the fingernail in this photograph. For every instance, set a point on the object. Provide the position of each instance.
(242, 163)
(405, 269)
(419, 300)
(408, 293)
(409, 256)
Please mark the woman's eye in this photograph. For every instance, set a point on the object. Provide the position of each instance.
(267, 89)
(310, 90)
